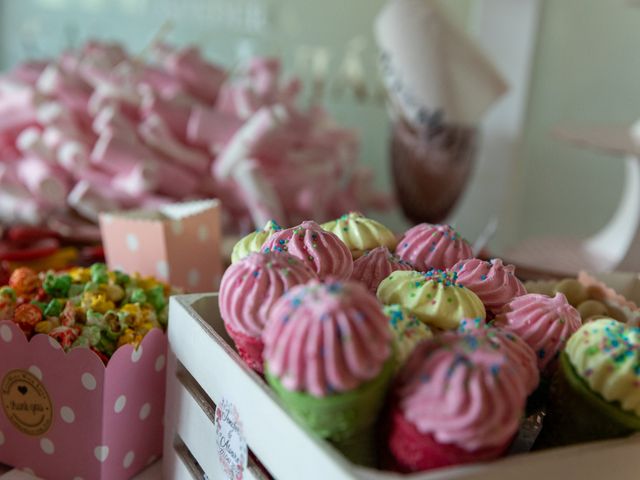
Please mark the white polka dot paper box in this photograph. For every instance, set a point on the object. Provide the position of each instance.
(67, 416)
(179, 243)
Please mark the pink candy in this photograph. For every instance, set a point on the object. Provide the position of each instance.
(101, 127)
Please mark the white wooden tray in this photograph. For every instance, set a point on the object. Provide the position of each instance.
(203, 369)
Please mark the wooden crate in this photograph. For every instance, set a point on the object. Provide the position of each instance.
(203, 368)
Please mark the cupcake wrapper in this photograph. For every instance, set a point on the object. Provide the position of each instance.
(338, 417)
(413, 451)
(360, 447)
(576, 414)
(537, 401)
(249, 348)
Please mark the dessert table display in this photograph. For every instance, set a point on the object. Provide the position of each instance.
(485, 377)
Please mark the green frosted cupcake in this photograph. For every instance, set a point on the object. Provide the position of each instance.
(434, 297)
(361, 234)
(328, 355)
(407, 331)
(253, 242)
(595, 393)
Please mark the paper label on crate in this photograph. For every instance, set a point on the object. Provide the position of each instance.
(26, 402)
(232, 447)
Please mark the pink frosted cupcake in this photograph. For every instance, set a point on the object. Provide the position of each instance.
(328, 356)
(376, 265)
(457, 400)
(544, 323)
(248, 290)
(494, 282)
(519, 354)
(320, 250)
(428, 246)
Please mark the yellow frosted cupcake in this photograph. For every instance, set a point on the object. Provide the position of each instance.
(596, 391)
(434, 297)
(360, 233)
(253, 242)
(407, 331)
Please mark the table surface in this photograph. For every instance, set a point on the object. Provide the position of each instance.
(154, 472)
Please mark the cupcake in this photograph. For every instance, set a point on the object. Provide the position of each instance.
(520, 355)
(573, 289)
(253, 242)
(360, 233)
(493, 282)
(320, 250)
(595, 393)
(427, 246)
(328, 356)
(457, 400)
(407, 331)
(434, 297)
(376, 265)
(248, 291)
(544, 323)
(592, 298)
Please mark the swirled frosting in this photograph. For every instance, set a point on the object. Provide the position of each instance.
(544, 323)
(407, 331)
(254, 241)
(494, 282)
(606, 355)
(428, 246)
(250, 287)
(360, 233)
(320, 250)
(520, 355)
(462, 390)
(434, 297)
(376, 265)
(328, 338)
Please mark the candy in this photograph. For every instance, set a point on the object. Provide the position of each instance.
(80, 275)
(113, 327)
(129, 336)
(88, 200)
(131, 314)
(93, 131)
(97, 302)
(137, 295)
(65, 335)
(53, 308)
(157, 134)
(102, 356)
(46, 326)
(121, 278)
(57, 285)
(7, 303)
(86, 307)
(7, 294)
(47, 183)
(24, 281)
(99, 273)
(41, 305)
(155, 296)
(27, 316)
(115, 293)
(68, 315)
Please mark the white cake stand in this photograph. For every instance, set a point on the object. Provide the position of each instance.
(617, 245)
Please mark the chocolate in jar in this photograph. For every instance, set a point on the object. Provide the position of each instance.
(431, 168)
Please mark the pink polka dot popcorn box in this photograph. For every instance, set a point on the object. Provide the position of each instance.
(177, 243)
(67, 416)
